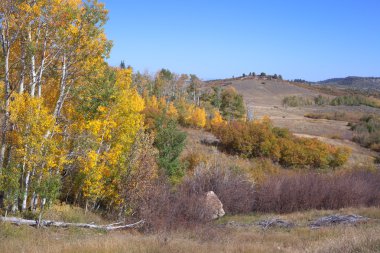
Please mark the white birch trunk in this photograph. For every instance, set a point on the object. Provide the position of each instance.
(32, 68)
(25, 195)
(7, 102)
(62, 91)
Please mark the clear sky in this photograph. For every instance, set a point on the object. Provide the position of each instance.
(309, 39)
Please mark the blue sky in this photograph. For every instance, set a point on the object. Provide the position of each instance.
(312, 40)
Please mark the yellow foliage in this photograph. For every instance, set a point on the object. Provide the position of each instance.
(116, 128)
(162, 103)
(217, 120)
(152, 102)
(192, 116)
(172, 111)
(31, 121)
(198, 117)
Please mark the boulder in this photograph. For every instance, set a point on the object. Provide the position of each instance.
(338, 219)
(213, 206)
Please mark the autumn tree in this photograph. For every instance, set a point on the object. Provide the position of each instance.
(48, 49)
(232, 105)
(194, 88)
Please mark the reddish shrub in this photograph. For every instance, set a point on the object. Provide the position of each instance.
(234, 190)
(167, 208)
(297, 192)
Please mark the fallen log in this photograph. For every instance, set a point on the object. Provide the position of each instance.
(61, 224)
(265, 224)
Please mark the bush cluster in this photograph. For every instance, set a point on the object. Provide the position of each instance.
(168, 208)
(367, 132)
(353, 100)
(348, 100)
(287, 193)
(260, 139)
(296, 101)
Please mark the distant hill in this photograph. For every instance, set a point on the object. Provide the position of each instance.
(354, 82)
(264, 91)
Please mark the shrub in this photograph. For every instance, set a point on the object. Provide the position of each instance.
(321, 100)
(259, 138)
(235, 190)
(191, 116)
(354, 100)
(367, 132)
(304, 191)
(296, 101)
(194, 159)
(167, 208)
(216, 120)
(164, 209)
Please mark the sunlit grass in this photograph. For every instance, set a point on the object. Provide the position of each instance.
(208, 238)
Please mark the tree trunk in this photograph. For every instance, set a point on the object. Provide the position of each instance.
(25, 195)
(60, 224)
(33, 68)
(4, 129)
(62, 91)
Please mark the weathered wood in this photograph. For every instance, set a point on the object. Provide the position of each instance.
(61, 224)
(265, 224)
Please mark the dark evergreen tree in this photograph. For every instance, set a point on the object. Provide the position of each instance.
(170, 143)
(122, 65)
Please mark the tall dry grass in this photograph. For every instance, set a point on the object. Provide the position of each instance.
(362, 238)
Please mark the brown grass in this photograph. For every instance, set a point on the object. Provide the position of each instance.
(211, 238)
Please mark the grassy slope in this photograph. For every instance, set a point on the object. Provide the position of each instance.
(209, 238)
(264, 97)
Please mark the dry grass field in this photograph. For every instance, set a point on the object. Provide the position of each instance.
(213, 237)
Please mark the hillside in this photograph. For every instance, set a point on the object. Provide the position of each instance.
(264, 98)
(354, 82)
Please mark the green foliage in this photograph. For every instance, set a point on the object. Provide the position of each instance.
(321, 100)
(170, 143)
(348, 100)
(101, 92)
(162, 81)
(367, 132)
(216, 97)
(49, 188)
(296, 101)
(353, 100)
(232, 105)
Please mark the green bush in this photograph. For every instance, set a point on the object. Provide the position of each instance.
(296, 101)
(353, 100)
(367, 132)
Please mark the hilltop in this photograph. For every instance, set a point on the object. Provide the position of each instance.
(353, 82)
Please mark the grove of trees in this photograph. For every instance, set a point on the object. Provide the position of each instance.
(76, 129)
